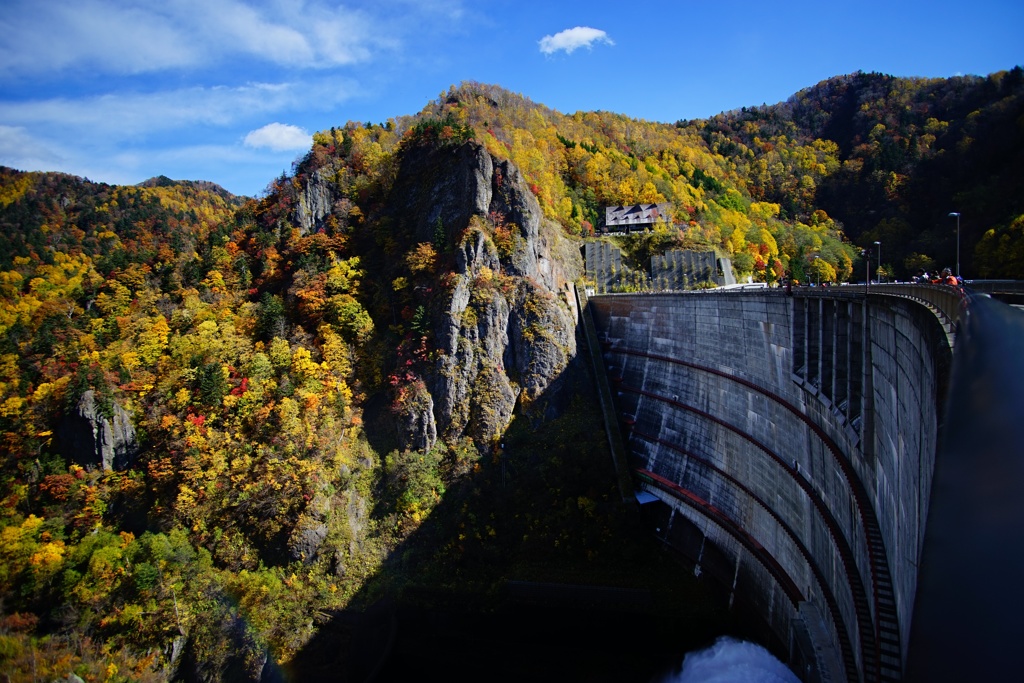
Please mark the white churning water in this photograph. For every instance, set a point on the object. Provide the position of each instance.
(732, 661)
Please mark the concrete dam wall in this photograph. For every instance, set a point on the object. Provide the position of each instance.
(789, 444)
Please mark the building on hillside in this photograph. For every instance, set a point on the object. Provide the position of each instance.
(636, 217)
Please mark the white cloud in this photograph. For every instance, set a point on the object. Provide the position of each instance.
(183, 133)
(279, 137)
(18, 149)
(140, 36)
(105, 88)
(126, 115)
(293, 32)
(118, 37)
(573, 38)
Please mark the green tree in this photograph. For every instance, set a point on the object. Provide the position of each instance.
(743, 262)
(212, 384)
(270, 316)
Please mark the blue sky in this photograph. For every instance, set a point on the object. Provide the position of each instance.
(230, 90)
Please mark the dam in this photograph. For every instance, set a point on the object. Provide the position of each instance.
(802, 452)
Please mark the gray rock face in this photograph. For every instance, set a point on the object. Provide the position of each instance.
(314, 205)
(418, 426)
(306, 539)
(443, 187)
(506, 330)
(92, 439)
(173, 652)
(542, 339)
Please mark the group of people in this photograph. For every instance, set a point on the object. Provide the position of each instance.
(922, 277)
(946, 278)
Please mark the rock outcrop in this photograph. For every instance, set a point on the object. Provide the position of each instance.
(306, 538)
(93, 439)
(314, 203)
(504, 329)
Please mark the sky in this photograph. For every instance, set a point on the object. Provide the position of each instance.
(230, 91)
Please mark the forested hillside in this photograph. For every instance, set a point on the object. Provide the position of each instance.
(903, 155)
(224, 418)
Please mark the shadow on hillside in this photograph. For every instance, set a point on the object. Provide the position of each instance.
(531, 568)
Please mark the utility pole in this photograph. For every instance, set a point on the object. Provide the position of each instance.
(957, 214)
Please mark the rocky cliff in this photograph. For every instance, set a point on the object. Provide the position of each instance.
(91, 438)
(314, 203)
(504, 323)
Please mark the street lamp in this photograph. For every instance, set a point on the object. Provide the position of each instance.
(878, 267)
(817, 273)
(957, 214)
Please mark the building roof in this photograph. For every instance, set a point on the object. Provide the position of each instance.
(637, 214)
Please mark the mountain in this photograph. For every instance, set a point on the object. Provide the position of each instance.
(196, 185)
(907, 153)
(224, 419)
(45, 213)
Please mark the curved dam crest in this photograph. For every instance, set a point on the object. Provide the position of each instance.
(789, 445)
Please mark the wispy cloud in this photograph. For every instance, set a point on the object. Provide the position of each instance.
(19, 149)
(139, 36)
(110, 88)
(121, 37)
(129, 114)
(240, 169)
(127, 137)
(572, 39)
(279, 137)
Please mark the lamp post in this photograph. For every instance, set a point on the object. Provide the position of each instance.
(957, 214)
(878, 266)
(817, 273)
